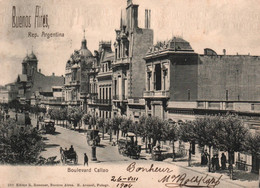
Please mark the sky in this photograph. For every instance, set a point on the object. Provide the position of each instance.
(233, 25)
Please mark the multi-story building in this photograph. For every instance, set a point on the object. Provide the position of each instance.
(78, 67)
(182, 85)
(170, 71)
(128, 67)
(32, 85)
(104, 78)
(8, 93)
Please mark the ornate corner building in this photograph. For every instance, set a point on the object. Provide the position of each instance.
(131, 45)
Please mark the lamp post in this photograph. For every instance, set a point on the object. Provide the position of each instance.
(94, 158)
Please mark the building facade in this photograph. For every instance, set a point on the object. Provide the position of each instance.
(102, 104)
(132, 42)
(34, 87)
(78, 67)
(8, 93)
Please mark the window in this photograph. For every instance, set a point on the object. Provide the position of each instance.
(158, 77)
(148, 81)
(252, 106)
(227, 95)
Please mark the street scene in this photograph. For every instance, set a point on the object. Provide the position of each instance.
(146, 90)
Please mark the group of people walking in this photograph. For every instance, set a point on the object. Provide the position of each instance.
(214, 161)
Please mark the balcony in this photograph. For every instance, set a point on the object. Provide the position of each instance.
(75, 82)
(121, 61)
(157, 94)
(103, 101)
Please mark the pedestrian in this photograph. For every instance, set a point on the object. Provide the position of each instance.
(217, 162)
(223, 161)
(213, 163)
(85, 159)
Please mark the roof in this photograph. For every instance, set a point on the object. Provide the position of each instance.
(45, 83)
(175, 44)
(108, 56)
(22, 78)
(32, 56)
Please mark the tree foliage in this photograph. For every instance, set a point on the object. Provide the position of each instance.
(19, 145)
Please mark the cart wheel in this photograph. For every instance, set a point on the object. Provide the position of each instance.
(76, 159)
(62, 158)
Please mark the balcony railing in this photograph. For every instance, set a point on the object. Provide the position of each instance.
(158, 94)
(124, 60)
(102, 101)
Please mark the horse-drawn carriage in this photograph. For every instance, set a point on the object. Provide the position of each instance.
(68, 156)
(128, 147)
(48, 126)
(93, 138)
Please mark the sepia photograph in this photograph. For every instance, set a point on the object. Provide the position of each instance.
(129, 93)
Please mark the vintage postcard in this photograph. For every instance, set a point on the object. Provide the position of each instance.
(129, 93)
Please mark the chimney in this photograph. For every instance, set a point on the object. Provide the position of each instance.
(146, 19)
(53, 74)
(224, 51)
(149, 19)
(40, 70)
(135, 16)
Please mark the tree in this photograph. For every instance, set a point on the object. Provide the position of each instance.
(100, 123)
(142, 129)
(19, 145)
(125, 125)
(232, 136)
(188, 134)
(206, 129)
(109, 124)
(86, 120)
(171, 133)
(252, 144)
(154, 129)
(116, 123)
(74, 115)
(63, 115)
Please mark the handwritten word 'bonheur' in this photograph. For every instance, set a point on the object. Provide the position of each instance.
(133, 168)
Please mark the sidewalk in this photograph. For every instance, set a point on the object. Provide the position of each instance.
(241, 178)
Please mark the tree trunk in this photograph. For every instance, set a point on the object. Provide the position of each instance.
(209, 163)
(173, 151)
(146, 144)
(230, 166)
(117, 135)
(103, 134)
(189, 161)
(110, 130)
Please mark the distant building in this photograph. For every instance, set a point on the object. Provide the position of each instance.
(101, 83)
(33, 86)
(8, 93)
(78, 67)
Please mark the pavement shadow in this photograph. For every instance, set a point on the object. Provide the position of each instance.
(56, 133)
(245, 176)
(51, 145)
(101, 146)
(45, 138)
